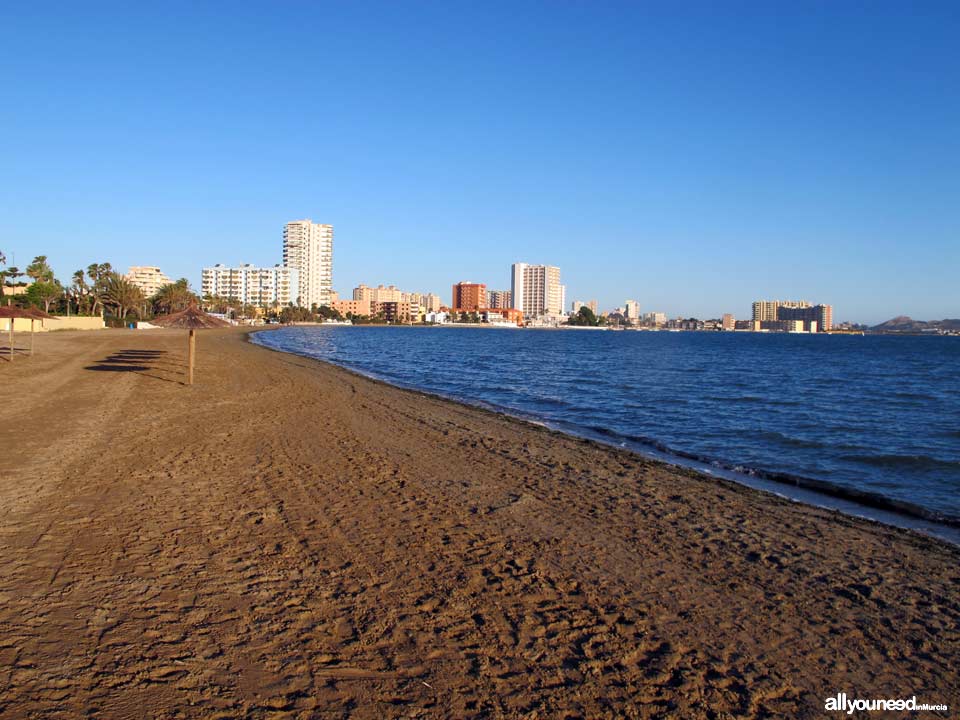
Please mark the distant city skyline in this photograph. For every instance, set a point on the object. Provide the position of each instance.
(693, 159)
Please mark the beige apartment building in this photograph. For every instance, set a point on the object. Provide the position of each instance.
(148, 278)
(766, 310)
(536, 290)
(390, 293)
(498, 299)
(815, 318)
(308, 249)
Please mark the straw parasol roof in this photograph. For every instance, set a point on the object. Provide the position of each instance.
(193, 318)
(11, 313)
(38, 314)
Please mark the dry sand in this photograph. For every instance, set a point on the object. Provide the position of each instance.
(287, 539)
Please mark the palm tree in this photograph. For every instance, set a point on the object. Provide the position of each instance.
(79, 290)
(121, 294)
(173, 297)
(97, 274)
(11, 274)
(39, 270)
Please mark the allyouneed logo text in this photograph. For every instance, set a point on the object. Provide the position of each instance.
(842, 703)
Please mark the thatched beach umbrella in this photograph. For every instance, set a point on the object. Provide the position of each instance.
(11, 313)
(36, 314)
(192, 319)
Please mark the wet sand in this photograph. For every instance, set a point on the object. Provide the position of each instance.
(287, 539)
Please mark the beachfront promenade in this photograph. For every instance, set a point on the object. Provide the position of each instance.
(285, 539)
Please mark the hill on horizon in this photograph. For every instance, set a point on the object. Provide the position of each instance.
(903, 323)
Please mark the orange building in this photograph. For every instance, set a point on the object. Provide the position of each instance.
(510, 314)
(393, 312)
(469, 297)
(355, 307)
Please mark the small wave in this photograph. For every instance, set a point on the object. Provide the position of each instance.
(736, 399)
(914, 462)
(913, 396)
(791, 441)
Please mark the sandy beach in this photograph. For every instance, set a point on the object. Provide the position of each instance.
(287, 539)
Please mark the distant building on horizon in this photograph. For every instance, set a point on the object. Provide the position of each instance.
(792, 316)
(468, 296)
(654, 319)
(499, 299)
(728, 322)
(536, 290)
(592, 304)
(250, 285)
(148, 278)
(380, 293)
(766, 310)
(308, 249)
(632, 311)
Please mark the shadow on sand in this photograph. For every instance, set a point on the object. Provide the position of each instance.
(135, 361)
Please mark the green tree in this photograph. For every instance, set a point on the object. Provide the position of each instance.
(328, 313)
(584, 316)
(44, 292)
(9, 274)
(121, 294)
(98, 273)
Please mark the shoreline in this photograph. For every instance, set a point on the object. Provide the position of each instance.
(288, 537)
(813, 492)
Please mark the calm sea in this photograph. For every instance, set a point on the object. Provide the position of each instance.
(873, 418)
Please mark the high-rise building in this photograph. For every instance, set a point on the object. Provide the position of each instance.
(308, 249)
(536, 290)
(263, 287)
(654, 319)
(632, 311)
(728, 322)
(469, 296)
(814, 318)
(148, 278)
(498, 299)
(428, 302)
(380, 293)
(766, 310)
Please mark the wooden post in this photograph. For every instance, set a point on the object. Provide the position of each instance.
(31, 337)
(191, 352)
(11, 339)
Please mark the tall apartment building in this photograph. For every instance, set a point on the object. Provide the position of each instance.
(469, 296)
(536, 290)
(308, 249)
(728, 322)
(790, 311)
(389, 293)
(766, 310)
(251, 285)
(148, 278)
(632, 311)
(498, 299)
(428, 302)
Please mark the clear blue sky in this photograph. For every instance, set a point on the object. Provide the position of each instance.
(694, 156)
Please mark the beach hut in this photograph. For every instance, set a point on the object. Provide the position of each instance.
(36, 314)
(11, 313)
(192, 319)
